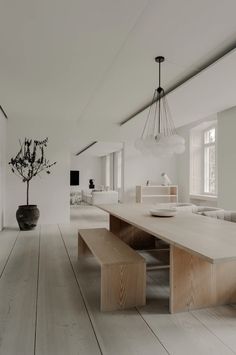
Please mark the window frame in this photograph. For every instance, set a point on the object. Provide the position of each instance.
(196, 141)
(205, 145)
(108, 171)
(119, 169)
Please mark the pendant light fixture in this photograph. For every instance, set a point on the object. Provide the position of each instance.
(159, 134)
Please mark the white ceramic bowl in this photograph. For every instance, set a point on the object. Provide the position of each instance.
(163, 212)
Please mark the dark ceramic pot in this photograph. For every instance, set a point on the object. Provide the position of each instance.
(27, 217)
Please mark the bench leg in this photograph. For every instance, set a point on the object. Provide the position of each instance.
(123, 286)
(83, 249)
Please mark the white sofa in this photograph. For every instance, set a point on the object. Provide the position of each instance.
(100, 197)
(75, 197)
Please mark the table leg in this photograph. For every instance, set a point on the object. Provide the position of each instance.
(131, 235)
(196, 283)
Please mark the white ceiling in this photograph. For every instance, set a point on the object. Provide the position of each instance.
(91, 62)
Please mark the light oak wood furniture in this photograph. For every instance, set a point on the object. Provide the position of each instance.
(210, 331)
(123, 271)
(156, 193)
(202, 253)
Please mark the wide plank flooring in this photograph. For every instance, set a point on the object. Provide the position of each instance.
(49, 303)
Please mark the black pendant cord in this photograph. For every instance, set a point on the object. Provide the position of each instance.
(160, 92)
(156, 129)
(159, 114)
(159, 100)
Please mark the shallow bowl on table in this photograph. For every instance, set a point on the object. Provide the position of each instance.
(163, 212)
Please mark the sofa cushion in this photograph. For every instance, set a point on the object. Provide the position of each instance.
(229, 216)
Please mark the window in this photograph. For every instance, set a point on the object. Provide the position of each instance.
(210, 161)
(203, 159)
(119, 169)
(108, 171)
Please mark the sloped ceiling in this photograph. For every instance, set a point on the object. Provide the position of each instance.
(91, 62)
(103, 148)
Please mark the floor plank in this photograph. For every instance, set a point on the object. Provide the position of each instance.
(7, 241)
(18, 286)
(181, 333)
(221, 321)
(118, 333)
(63, 325)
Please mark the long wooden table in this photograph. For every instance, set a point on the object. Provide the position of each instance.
(202, 252)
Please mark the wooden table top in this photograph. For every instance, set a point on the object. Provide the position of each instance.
(209, 238)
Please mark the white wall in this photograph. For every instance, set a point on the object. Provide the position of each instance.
(227, 159)
(50, 192)
(90, 167)
(3, 132)
(183, 166)
(139, 168)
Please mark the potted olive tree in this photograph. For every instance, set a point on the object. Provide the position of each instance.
(29, 162)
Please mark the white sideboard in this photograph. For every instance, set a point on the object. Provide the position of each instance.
(156, 193)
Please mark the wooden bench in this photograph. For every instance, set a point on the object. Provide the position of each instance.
(123, 270)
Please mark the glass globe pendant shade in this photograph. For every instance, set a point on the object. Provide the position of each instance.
(158, 149)
(161, 148)
(180, 148)
(179, 139)
(149, 141)
(177, 143)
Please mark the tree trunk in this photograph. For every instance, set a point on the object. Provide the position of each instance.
(27, 193)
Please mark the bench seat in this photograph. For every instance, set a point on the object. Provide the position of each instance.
(123, 270)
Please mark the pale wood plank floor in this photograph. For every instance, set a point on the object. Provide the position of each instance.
(49, 303)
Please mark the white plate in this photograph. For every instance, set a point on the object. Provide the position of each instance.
(163, 212)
